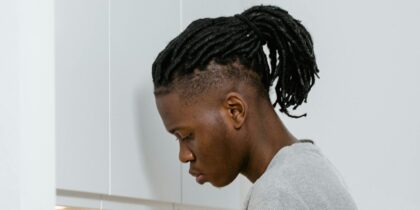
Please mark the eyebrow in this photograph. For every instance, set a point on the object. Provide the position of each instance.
(180, 127)
(174, 129)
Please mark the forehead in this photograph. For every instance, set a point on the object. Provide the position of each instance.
(174, 111)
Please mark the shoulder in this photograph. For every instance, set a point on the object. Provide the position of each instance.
(275, 198)
(275, 190)
(300, 177)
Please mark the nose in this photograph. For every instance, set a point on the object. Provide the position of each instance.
(185, 154)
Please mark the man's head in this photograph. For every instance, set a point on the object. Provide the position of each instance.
(212, 83)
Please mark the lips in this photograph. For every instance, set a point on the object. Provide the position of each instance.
(199, 177)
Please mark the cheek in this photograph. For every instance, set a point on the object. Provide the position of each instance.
(212, 140)
(216, 149)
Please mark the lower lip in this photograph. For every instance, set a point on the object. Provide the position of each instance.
(200, 179)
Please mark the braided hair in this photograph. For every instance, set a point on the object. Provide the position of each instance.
(290, 64)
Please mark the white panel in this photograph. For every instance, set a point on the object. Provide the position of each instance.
(27, 177)
(144, 160)
(36, 114)
(9, 106)
(193, 193)
(195, 9)
(82, 95)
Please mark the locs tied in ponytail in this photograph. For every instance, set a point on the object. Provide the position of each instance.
(290, 64)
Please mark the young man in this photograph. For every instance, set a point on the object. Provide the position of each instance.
(212, 91)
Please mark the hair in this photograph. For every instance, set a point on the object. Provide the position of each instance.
(239, 39)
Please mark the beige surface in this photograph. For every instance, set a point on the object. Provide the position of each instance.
(75, 208)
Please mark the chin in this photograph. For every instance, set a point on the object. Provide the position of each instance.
(221, 183)
(218, 185)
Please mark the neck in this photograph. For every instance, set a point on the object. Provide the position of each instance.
(265, 141)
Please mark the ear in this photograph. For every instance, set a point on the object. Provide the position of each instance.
(236, 108)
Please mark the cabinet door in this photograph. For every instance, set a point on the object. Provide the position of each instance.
(144, 160)
(82, 100)
(193, 193)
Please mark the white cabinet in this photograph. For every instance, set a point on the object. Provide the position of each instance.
(82, 95)
(195, 9)
(144, 157)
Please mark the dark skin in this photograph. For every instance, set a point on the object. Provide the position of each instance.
(225, 132)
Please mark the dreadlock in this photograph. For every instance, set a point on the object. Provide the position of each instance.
(291, 62)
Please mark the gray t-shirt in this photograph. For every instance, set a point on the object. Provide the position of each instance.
(300, 177)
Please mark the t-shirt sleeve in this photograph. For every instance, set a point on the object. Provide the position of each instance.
(279, 200)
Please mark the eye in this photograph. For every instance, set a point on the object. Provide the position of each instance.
(186, 138)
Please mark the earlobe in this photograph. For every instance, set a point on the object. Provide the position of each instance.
(237, 109)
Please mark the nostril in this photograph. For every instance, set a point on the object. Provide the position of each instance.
(186, 156)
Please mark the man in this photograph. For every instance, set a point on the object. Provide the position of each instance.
(212, 91)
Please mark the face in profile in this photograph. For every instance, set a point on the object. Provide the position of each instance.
(206, 141)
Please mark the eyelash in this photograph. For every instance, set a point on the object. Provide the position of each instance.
(189, 137)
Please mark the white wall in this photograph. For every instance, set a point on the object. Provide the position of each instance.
(9, 106)
(363, 112)
(27, 173)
